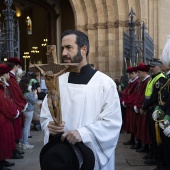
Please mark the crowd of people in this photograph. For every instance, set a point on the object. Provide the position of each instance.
(90, 104)
(145, 111)
(90, 108)
(21, 99)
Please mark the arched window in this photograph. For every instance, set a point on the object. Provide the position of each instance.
(29, 26)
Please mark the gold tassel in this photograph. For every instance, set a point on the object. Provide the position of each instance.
(158, 138)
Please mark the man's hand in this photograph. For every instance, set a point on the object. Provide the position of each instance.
(72, 136)
(161, 125)
(141, 111)
(167, 131)
(136, 109)
(155, 115)
(123, 103)
(55, 129)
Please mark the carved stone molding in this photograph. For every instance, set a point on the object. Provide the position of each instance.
(100, 25)
(90, 27)
(107, 25)
(80, 27)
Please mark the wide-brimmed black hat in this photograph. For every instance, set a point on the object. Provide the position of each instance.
(58, 155)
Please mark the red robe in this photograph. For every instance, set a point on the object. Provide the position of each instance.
(141, 124)
(128, 98)
(8, 111)
(20, 101)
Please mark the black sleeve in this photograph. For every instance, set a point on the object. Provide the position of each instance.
(153, 100)
(168, 106)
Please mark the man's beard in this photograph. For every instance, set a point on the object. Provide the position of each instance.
(75, 59)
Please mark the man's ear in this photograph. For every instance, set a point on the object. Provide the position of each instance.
(83, 50)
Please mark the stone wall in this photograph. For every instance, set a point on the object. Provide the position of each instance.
(105, 21)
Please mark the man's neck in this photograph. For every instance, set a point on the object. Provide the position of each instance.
(145, 77)
(13, 72)
(81, 64)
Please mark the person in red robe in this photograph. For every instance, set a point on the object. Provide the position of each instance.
(127, 102)
(20, 101)
(7, 116)
(140, 123)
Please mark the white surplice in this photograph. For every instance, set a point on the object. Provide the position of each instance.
(94, 111)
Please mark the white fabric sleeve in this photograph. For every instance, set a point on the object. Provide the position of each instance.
(45, 118)
(103, 135)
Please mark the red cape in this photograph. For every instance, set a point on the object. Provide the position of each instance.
(141, 125)
(8, 111)
(20, 101)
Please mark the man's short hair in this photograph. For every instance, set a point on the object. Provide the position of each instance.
(81, 40)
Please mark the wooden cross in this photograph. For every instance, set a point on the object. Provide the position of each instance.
(51, 72)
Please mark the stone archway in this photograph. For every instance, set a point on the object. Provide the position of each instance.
(104, 22)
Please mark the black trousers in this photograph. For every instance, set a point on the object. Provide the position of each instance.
(156, 150)
(166, 149)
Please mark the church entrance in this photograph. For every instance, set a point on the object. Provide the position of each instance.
(40, 23)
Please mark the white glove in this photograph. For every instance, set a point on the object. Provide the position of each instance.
(17, 114)
(155, 115)
(123, 103)
(25, 107)
(136, 109)
(167, 131)
(161, 125)
(166, 123)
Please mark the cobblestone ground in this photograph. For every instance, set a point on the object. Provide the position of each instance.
(123, 155)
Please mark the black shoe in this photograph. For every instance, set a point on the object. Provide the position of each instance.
(7, 164)
(135, 147)
(150, 162)
(4, 168)
(19, 152)
(148, 156)
(161, 167)
(129, 143)
(29, 136)
(17, 156)
(142, 150)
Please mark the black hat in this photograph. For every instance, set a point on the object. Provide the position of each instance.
(155, 62)
(41, 95)
(58, 155)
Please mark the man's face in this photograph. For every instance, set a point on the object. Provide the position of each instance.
(141, 74)
(16, 68)
(132, 75)
(154, 70)
(70, 51)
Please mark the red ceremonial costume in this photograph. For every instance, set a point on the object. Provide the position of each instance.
(20, 101)
(128, 99)
(8, 111)
(142, 132)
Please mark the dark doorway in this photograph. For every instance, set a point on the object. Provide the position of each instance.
(45, 26)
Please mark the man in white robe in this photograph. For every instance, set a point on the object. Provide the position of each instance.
(90, 105)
